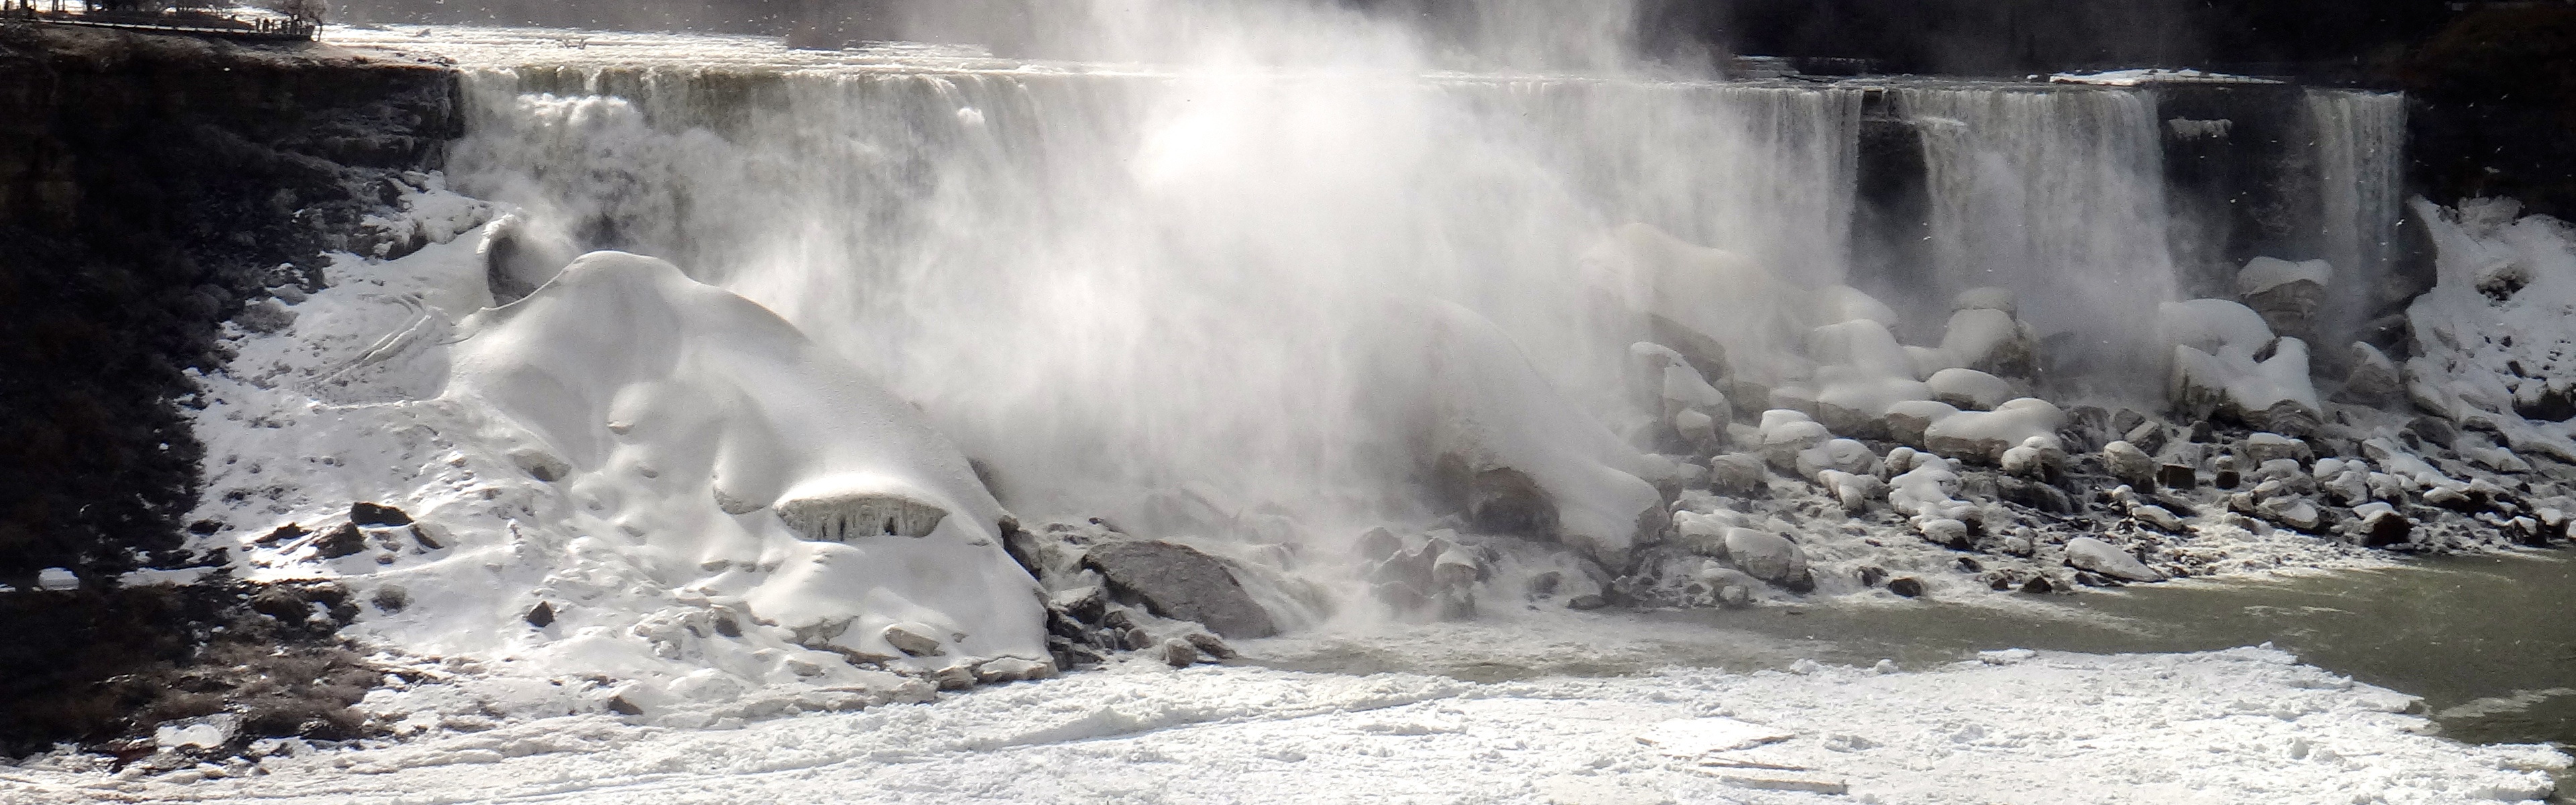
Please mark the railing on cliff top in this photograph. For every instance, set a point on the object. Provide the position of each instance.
(193, 22)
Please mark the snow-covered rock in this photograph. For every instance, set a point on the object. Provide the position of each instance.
(1983, 436)
(2129, 464)
(1969, 389)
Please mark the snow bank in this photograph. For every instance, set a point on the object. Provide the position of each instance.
(2494, 331)
(2239, 726)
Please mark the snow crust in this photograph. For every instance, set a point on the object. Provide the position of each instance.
(2244, 725)
(2153, 75)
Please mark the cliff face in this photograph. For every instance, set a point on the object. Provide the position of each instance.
(149, 187)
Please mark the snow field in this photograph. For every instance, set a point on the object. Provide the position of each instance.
(2238, 726)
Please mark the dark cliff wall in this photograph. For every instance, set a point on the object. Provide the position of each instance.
(149, 186)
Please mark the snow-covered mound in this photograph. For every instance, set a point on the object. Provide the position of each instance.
(697, 427)
(627, 491)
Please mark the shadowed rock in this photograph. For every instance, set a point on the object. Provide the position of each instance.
(1180, 583)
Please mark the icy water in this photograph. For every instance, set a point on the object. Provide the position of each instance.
(2485, 640)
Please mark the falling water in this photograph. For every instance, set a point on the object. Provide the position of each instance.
(2360, 142)
(1110, 282)
(2056, 193)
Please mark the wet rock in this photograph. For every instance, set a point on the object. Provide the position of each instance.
(1909, 587)
(2262, 448)
(2038, 585)
(541, 615)
(2129, 463)
(1181, 583)
(2382, 526)
(620, 706)
(915, 639)
(2291, 512)
(2148, 437)
(1586, 602)
(2087, 553)
(1503, 500)
(2374, 379)
(2434, 431)
(1738, 474)
(1012, 669)
(1179, 653)
(1871, 576)
(2177, 476)
(1766, 556)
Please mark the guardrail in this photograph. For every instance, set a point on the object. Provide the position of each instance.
(197, 24)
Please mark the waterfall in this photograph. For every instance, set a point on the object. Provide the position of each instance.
(2056, 193)
(1109, 281)
(2360, 143)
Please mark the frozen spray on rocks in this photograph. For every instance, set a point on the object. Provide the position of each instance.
(1318, 347)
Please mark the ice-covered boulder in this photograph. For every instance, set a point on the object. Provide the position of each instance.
(1908, 421)
(2374, 379)
(718, 445)
(1991, 341)
(1844, 455)
(1766, 556)
(1969, 389)
(2225, 360)
(1983, 436)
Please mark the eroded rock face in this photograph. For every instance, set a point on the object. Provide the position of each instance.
(1179, 582)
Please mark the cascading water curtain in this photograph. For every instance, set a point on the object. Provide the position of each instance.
(2360, 144)
(2057, 194)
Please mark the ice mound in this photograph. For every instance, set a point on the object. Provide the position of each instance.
(702, 430)
(2494, 332)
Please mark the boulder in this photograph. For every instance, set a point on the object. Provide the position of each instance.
(2146, 436)
(2130, 464)
(1503, 500)
(913, 638)
(2156, 517)
(1180, 583)
(2381, 526)
(1766, 556)
(1738, 474)
(2178, 476)
(2373, 380)
(2262, 448)
(2087, 553)
(2287, 295)
(1839, 454)
(1908, 421)
(1969, 389)
(1909, 587)
(1983, 436)
(1945, 532)
(1990, 341)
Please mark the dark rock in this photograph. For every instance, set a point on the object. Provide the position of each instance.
(373, 514)
(2226, 479)
(420, 536)
(1586, 602)
(620, 706)
(727, 626)
(2386, 529)
(1909, 587)
(1179, 653)
(1507, 501)
(1069, 654)
(1378, 544)
(343, 541)
(1209, 645)
(541, 615)
(282, 533)
(2178, 476)
(2435, 431)
(1871, 576)
(2126, 420)
(2147, 436)
(1181, 583)
(2203, 432)
(2289, 419)
(2038, 585)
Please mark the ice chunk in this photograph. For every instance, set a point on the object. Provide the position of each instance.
(2265, 273)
